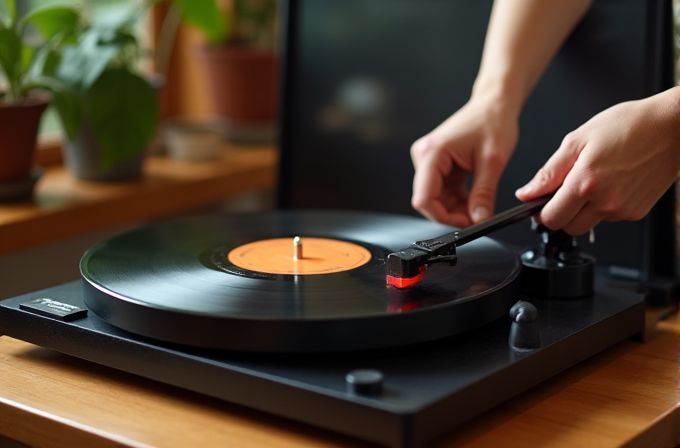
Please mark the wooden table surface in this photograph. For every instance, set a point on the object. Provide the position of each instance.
(625, 396)
(64, 207)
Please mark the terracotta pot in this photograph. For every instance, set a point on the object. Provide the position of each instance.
(18, 134)
(242, 81)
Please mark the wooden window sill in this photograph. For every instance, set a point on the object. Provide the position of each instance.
(63, 206)
(48, 152)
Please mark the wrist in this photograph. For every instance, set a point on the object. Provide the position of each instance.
(501, 91)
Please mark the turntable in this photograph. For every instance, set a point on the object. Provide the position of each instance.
(290, 312)
(191, 303)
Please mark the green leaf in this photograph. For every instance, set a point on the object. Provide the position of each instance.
(8, 8)
(51, 21)
(43, 64)
(10, 57)
(206, 16)
(123, 113)
(51, 62)
(5, 18)
(82, 64)
(69, 107)
(27, 54)
(122, 39)
(118, 15)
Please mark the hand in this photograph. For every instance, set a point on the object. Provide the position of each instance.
(614, 167)
(477, 140)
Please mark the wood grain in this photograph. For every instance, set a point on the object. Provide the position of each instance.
(626, 396)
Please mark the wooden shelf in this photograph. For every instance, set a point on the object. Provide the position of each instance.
(64, 207)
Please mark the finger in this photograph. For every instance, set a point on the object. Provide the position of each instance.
(428, 185)
(482, 197)
(551, 176)
(454, 199)
(455, 216)
(563, 207)
(418, 149)
(587, 218)
(458, 217)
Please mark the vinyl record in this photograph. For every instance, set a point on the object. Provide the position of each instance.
(232, 282)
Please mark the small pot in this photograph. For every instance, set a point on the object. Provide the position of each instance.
(242, 81)
(82, 157)
(19, 125)
(192, 141)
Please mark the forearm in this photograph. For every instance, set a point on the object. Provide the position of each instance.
(673, 104)
(522, 39)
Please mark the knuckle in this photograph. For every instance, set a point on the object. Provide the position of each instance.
(612, 207)
(423, 146)
(419, 203)
(545, 175)
(496, 159)
(587, 187)
(485, 193)
(570, 142)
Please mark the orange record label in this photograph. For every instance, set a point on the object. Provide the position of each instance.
(299, 256)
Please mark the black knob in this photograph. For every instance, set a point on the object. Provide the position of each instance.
(524, 332)
(367, 382)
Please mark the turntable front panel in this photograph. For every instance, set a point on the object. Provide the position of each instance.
(429, 388)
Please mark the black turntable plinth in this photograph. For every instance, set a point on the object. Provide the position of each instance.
(196, 303)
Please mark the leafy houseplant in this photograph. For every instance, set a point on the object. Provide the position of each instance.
(28, 54)
(108, 109)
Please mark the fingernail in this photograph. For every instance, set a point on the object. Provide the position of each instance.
(480, 214)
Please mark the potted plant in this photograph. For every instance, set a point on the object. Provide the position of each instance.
(241, 70)
(108, 108)
(28, 53)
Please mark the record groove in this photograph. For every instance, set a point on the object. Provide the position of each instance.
(163, 282)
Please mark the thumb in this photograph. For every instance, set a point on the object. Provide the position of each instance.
(551, 176)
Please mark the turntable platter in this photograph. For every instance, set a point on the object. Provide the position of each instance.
(230, 282)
